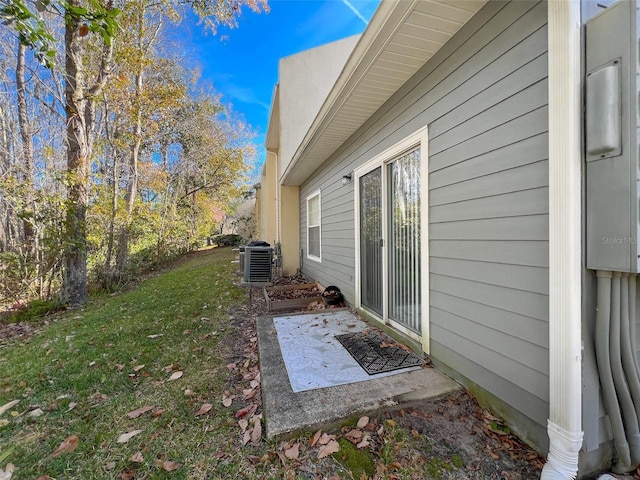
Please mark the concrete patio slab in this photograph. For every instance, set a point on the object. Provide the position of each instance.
(312, 354)
(287, 412)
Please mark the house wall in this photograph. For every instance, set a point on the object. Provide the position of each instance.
(305, 81)
(289, 229)
(267, 200)
(483, 97)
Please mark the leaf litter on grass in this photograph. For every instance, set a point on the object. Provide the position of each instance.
(116, 328)
(228, 440)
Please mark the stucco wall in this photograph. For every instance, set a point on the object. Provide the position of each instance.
(305, 81)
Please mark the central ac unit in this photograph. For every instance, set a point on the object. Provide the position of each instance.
(257, 264)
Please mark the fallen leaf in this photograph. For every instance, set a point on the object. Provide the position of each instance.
(7, 473)
(72, 405)
(315, 438)
(110, 465)
(205, 408)
(231, 366)
(227, 401)
(246, 438)
(125, 437)
(91, 364)
(363, 422)
(256, 433)
(9, 405)
(156, 335)
(326, 438)
(394, 466)
(243, 423)
(157, 413)
(176, 375)
(140, 411)
(127, 474)
(246, 411)
(365, 441)
(138, 367)
(36, 413)
(329, 449)
(249, 393)
(293, 452)
(354, 435)
(137, 458)
(68, 445)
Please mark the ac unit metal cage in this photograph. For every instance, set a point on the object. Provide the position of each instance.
(241, 261)
(257, 265)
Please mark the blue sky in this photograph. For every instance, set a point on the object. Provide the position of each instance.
(242, 63)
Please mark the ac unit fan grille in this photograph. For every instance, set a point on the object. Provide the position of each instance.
(257, 264)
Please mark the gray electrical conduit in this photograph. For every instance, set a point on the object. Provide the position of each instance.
(627, 345)
(632, 324)
(602, 335)
(620, 310)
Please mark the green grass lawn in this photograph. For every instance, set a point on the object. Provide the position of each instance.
(85, 371)
(179, 340)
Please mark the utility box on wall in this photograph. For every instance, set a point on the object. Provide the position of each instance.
(612, 133)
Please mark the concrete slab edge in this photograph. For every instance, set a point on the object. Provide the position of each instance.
(287, 413)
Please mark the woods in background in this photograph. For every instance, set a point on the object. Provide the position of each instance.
(113, 157)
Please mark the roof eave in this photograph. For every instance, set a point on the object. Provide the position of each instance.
(386, 22)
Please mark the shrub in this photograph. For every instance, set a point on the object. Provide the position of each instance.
(227, 240)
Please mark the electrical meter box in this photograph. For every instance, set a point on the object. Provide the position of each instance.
(612, 138)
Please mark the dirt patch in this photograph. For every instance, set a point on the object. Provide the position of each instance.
(462, 433)
(13, 331)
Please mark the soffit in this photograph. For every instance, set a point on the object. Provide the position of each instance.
(401, 37)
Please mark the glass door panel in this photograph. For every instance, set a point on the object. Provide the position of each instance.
(371, 285)
(403, 180)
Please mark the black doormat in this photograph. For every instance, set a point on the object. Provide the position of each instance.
(376, 352)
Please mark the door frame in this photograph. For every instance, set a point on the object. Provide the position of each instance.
(417, 139)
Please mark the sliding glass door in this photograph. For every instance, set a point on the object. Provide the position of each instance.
(390, 240)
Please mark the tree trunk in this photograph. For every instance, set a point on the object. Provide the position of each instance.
(27, 151)
(4, 167)
(74, 287)
(114, 207)
(80, 109)
(132, 186)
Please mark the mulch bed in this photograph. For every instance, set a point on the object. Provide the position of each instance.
(296, 293)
